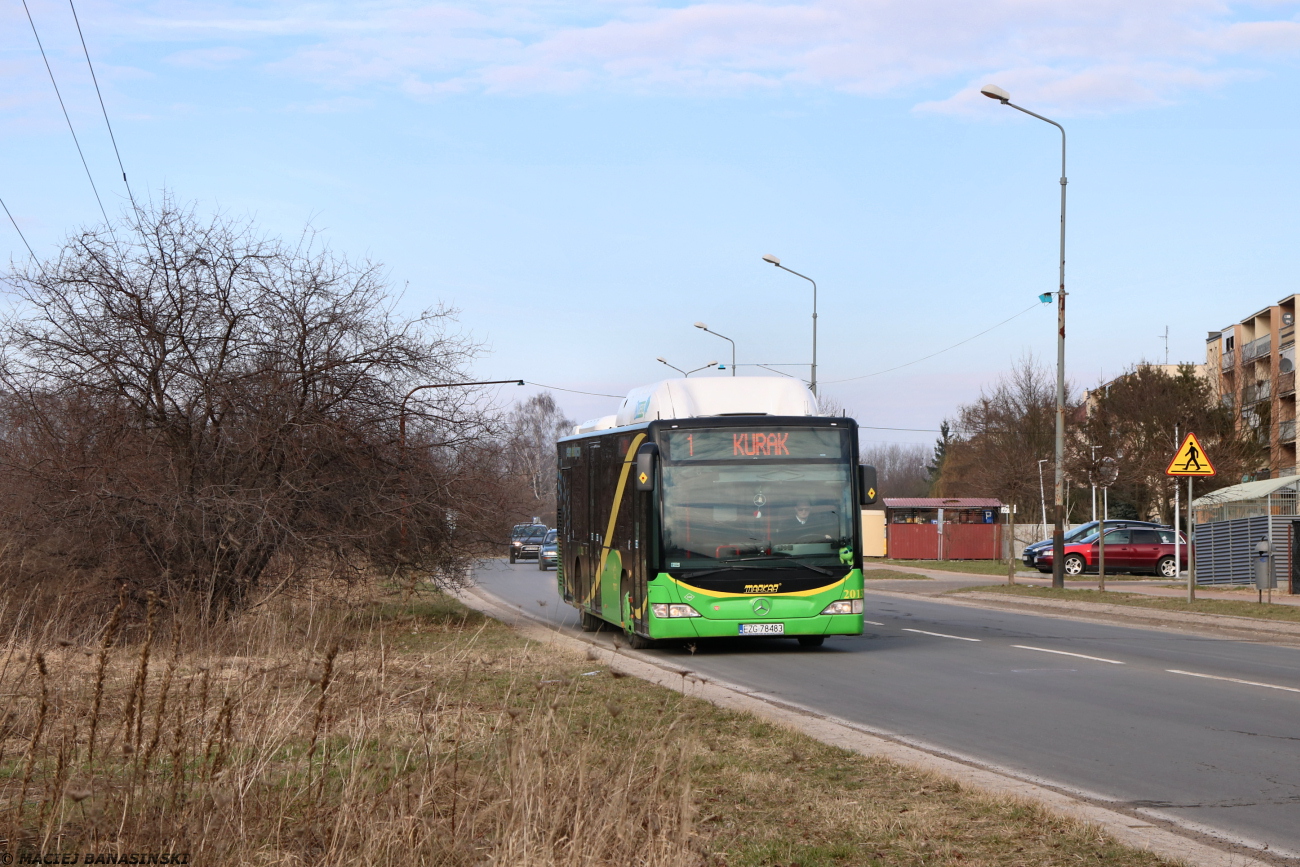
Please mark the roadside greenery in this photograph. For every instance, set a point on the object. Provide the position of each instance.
(892, 575)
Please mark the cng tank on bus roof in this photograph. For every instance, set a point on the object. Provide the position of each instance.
(716, 395)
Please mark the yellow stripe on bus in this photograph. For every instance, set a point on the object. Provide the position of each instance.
(717, 594)
(628, 460)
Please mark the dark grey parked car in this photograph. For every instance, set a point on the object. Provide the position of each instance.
(1031, 553)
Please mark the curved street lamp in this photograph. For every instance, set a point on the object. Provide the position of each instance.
(703, 327)
(401, 432)
(992, 91)
(773, 260)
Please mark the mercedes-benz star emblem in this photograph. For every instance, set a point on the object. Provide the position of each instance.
(762, 607)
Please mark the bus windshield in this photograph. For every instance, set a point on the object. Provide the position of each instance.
(793, 504)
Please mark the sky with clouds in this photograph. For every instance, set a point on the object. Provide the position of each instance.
(584, 180)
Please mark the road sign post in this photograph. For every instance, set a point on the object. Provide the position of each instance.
(1190, 460)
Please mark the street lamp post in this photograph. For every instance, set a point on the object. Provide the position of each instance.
(777, 262)
(703, 327)
(401, 431)
(1058, 525)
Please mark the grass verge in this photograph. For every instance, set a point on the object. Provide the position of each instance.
(1236, 608)
(892, 575)
(418, 732)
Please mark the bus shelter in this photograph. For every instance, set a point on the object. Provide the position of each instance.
(936, 528)
(1231, 521)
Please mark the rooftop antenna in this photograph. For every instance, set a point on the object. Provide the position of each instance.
(1166, 346)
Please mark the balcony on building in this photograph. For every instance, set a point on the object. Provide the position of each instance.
(1228, 360)
(1256, 348)
(1286, 431)
(1255, 393)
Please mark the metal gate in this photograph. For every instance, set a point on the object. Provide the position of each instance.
(1225, 550)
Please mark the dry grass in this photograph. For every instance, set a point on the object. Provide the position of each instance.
(418, 732)
(1234, 607)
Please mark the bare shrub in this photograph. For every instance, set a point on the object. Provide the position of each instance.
(194, 409)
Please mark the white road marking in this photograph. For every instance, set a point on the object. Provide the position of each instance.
(873, 623)
(940, 635)
(1233, 680)
(1068, 653)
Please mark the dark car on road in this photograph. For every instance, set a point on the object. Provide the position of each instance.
(530, 546)
(1033, 553)
(550, 553)
(1128, 549)
(520, 533)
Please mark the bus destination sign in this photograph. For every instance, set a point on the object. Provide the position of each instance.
(733, 444)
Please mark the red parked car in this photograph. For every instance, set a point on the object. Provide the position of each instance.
(1127, 550)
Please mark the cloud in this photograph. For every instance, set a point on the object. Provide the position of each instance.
(1071, 56)
(208, 58)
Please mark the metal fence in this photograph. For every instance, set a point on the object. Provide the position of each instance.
(1225, 550)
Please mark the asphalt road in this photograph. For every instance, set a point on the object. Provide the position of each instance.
(1202, 731)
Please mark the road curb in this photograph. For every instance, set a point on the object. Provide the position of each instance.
(1132, 830)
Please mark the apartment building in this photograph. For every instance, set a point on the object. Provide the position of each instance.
(1092, 395)
(1252, 364)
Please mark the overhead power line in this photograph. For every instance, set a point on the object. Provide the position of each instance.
(941, 351)
(575, 391)
(102, 108)
(18, 230)
(66, 116)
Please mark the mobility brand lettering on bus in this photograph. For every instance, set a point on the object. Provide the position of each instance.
(723, 445)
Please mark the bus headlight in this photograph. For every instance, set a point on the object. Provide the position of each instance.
(663, 610)
(844, 606)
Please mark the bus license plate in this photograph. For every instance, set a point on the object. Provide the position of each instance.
(762, 629)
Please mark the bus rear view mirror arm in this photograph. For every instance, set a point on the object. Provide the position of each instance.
(867, 490)
(646, 458)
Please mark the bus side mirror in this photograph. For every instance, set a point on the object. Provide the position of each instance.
(646, 458)
(867, 484)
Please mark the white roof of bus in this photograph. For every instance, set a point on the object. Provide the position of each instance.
(708, 396)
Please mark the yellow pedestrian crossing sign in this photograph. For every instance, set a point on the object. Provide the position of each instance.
(1190, 460)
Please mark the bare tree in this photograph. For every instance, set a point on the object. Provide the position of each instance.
(999, 439)
(900, 468)
(534, 426)
(1133, 419)
(198, 410)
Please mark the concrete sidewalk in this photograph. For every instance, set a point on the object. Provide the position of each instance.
(945, 581)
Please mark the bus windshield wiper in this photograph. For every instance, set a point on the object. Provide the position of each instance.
(786, 558)
(732, 567)
(727, 568)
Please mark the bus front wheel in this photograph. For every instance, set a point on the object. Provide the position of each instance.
(591, 623)
(811, 640)
(640, 642)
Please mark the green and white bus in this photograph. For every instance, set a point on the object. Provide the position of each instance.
(712, 508)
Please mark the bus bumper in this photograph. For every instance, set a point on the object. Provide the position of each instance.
(703, 627)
